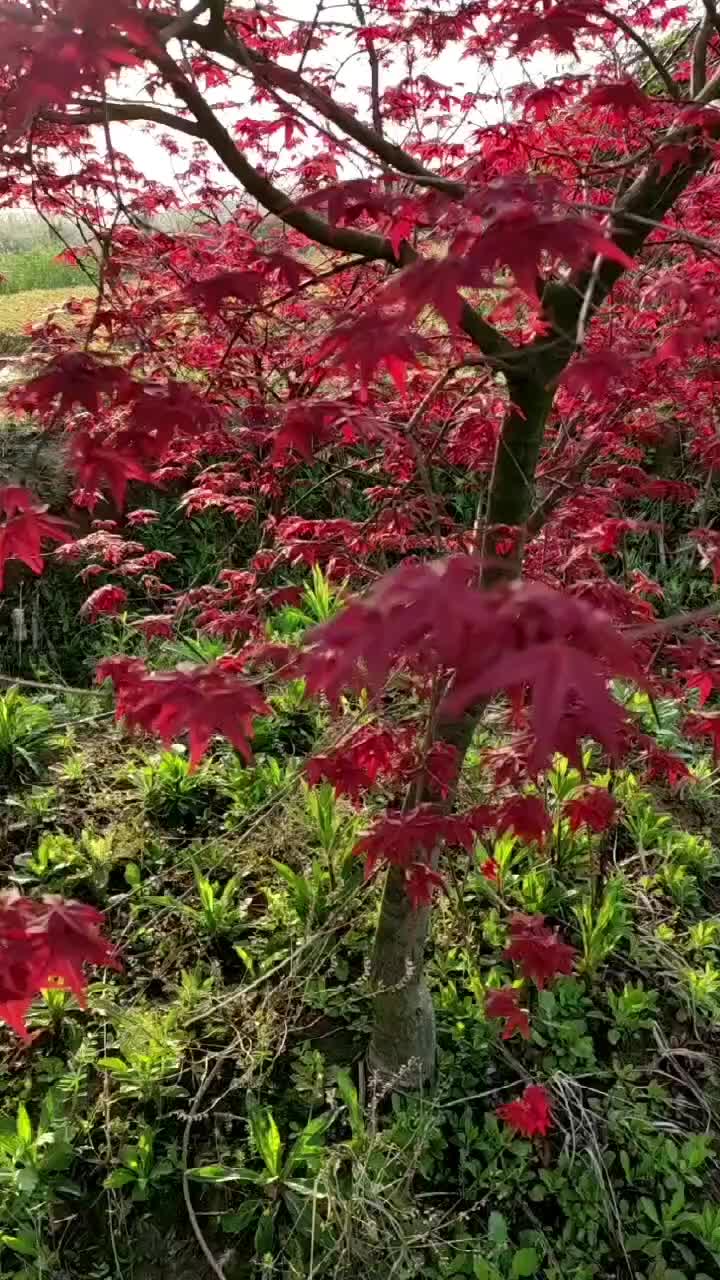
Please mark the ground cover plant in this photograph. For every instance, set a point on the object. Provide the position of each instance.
(359, 727)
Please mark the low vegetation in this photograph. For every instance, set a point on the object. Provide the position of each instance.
(225, 1062)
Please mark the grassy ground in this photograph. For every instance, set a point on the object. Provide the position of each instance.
(17, 310)
(33, 284)
(36, 269)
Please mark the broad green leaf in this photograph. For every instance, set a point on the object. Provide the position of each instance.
(113, 1064)
(525, 1263)
(497, 1229)
(26, 1180)
(349, 1095)
(309, 1144)
(23, 1124)
(234, 1223)
(26, 1245)
(265, 1233)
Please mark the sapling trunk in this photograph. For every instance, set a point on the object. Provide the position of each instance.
(403, 1046)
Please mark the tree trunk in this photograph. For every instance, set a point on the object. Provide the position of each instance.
(403, 1044)
(402, 1047)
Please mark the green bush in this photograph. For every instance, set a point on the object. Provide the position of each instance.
(28, 738)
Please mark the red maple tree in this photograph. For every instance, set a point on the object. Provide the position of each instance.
(516, 283)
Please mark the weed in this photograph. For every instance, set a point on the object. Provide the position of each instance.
(29, 738)
(221, 911)
(602, 927)
(175, 795)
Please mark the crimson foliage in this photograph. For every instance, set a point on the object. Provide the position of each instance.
(499, 324)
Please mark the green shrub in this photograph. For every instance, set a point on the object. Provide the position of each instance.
(28, 738)
(175, 796)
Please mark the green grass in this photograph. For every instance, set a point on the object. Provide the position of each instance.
(20, 309)
(36, 269)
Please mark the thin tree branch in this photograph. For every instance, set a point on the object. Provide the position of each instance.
(374, 71)
(99, 113)
(272, 75)
(672, 88)
(310, 34)
(699, 56)
(179, 26)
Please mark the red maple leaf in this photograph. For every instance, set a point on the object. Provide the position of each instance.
(367, 343)
(25, 528)
(141, 517)
(526, 817)
(309, 425)
(398, 838)
(558, 25)
(705, 726)
(520, 237)
(199, 701)
(538, 951)
(211, 292)
(664, 766)
(623, 96)
(157, 625)
(530, 1115)
(506, 1004)
(74, 378)
(421, 884)
(560, 677)
(99, 466)
(706, 682)
(107, 600)
(46, 945)
(364, 758)
(595, 371)
(594, 808)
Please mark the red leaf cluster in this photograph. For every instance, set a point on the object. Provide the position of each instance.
(24, 529)
(433, 616)
(45, 945)
(531, 1114)
(538, 951)
(199, 701)
(593, 808)
(106, 601)
(505, 1004)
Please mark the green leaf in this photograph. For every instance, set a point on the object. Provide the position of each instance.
(118, 1178)
(26, 1180)
(246, 958)
(132, 875)
(23, 1125)
(234, 1223)
(349, 1095)
(650, 1210)
(525, 1263)
(219, 1173)
(265, 1233)
(497, 1229)
(26, 1245)
(309, 1144)
(118, 1065)
(266, 1137)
